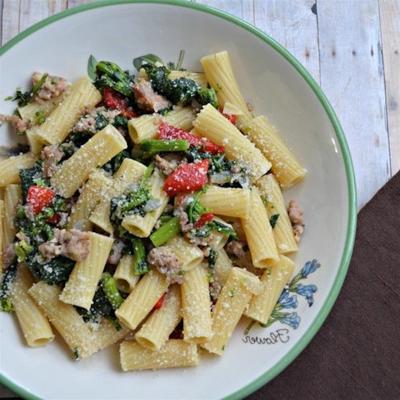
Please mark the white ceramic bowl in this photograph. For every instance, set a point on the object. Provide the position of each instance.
(276, 85)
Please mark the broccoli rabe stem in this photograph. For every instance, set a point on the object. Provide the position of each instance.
(140, 266)
(6, 285)
(166, 232)
(111, 291)
(154, 146)
(113, 76)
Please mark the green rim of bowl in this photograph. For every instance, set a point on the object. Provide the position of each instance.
(352, 203)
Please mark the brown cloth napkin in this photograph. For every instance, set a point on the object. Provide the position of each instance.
(356, 354)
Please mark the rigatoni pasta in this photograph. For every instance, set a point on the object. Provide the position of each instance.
(211, 124)
(275, 204)
(145, 211)
(258, 233)
(285, 167)
(34, 325)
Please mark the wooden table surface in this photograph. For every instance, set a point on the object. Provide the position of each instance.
(351, 47)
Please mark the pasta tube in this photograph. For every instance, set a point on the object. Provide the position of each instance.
(102, 147)
(273, 280)
(81, 96)
(196, 306)
(211, 124)
(129, 172)
(259, 234)
(11, 166)
(174, 354)
(12, 197)
(226, 201)
(93, 192)
(189, 255)
(232, 301)
(219, 73)
(82, 283)
(124, 276)
(64, 318)
(142, 299)
(142, 226)
(275, 204)
(146, 126)
(156, 330)
(35, 327)
(285, 167)
(198, 77)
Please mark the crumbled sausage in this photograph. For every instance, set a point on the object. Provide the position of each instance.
(73, 244)
(53, 86)
(116, 252)
(87, 123)
(51, 155)
(18, 123)
(169, 162)
(235, 248)
(9, 255)
(296, 218)
(147, 99)
(167, 263)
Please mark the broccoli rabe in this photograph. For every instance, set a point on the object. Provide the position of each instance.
(113, 165)
(111, 75)
(6, 285)
(53, 272)
(111, 291)
(30, 176)
(181, 90)
(101, 307)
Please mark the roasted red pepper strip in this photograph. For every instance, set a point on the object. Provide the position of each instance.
(39, 197)
(160, 302)
(187, 178)
(54, 220)
(168, 132)
(115, 101)
(230, 117)
(204, 218)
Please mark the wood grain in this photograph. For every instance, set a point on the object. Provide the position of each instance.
(390, 32)
(294, 25)
(352, 76)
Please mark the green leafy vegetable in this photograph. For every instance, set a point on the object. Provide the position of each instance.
(111, 291)
(130, 203)
(147, 60)
(273, 220)
(28, 177)
(91, 68)
(101, 307)
(40, 117)
(22, 250)
(113, 165)
(23, 98)
(154, 146)
(206, 95)
(6, 285)
(195, 209)
(53, 272)
(166, 232)
(111, 75)
(140, 266)
(212, 258)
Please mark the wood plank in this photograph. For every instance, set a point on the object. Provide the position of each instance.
(234, 7)
(390, 33)
(32, 11)
(293, 24)
(10, 21)
(74, 3)
(352, 77)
